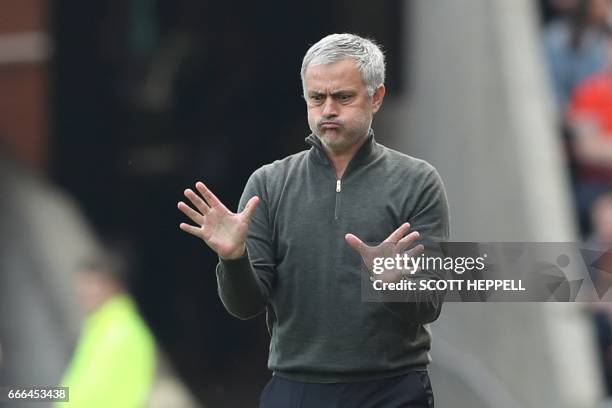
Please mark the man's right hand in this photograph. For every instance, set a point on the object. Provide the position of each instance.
(222, 230)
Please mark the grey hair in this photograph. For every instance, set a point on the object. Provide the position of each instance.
(336, 47)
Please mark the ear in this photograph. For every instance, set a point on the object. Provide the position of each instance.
(377, 98)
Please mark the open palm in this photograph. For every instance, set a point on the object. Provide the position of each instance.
(222, 230)
(396, 243)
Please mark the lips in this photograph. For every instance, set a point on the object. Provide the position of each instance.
(329, 125)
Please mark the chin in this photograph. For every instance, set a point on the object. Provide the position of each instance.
(333, 140)
(337, 146)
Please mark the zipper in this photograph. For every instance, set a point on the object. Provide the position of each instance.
(350, 166)
(338, 191)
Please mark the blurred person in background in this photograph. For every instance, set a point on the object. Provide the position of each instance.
(575, 46)
(288, 250)
(42, 236)
(114, 360)
(590, 119)
(601, 240)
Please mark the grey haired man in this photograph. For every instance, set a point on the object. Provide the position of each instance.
(292, 249)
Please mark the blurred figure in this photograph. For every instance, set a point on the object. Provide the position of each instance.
(42, 235)
(114, 361)
(575, 45)
(590, 119)
(601, 216)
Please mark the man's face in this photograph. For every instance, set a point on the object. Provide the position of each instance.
(94, 288)
(339, 109)
(599, 11)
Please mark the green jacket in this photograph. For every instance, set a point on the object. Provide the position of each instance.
(114, 362)
(300, 269)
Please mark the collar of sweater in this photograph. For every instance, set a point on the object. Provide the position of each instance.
(366, 153)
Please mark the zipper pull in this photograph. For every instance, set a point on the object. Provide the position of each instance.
(338, 186)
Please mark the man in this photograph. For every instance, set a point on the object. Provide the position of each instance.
(601, 241)
(36, 269)
(114, 362)
(590, 117)
(293, 248)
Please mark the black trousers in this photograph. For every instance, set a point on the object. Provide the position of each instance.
(412, 390)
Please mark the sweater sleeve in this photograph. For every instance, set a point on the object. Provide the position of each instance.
(431, 219)
(245, 284)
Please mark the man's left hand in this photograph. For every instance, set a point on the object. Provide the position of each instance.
(396, 243)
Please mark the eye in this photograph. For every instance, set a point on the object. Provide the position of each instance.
(344, 98)
(315, 98)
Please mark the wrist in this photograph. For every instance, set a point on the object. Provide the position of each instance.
(238, 254)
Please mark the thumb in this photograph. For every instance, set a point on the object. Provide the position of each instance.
(355, 242)
(249, 208)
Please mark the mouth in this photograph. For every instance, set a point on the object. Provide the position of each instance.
(329, 125)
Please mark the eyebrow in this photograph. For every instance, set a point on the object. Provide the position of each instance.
(334, 93)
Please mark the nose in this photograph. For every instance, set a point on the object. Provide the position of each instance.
(330, 107)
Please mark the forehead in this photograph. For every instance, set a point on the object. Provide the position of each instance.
(337, 75)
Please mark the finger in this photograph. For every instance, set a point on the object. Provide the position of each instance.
(355, 243)
(412, 253)
(398, 233)
(191, 213)
(416, 251)
(249, 208)
(389, 276)
(197, 201)
(190, 229)
(210, 198)
(405, 242)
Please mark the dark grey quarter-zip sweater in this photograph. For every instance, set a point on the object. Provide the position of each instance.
(299, 268)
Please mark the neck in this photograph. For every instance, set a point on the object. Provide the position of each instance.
(341, 159)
